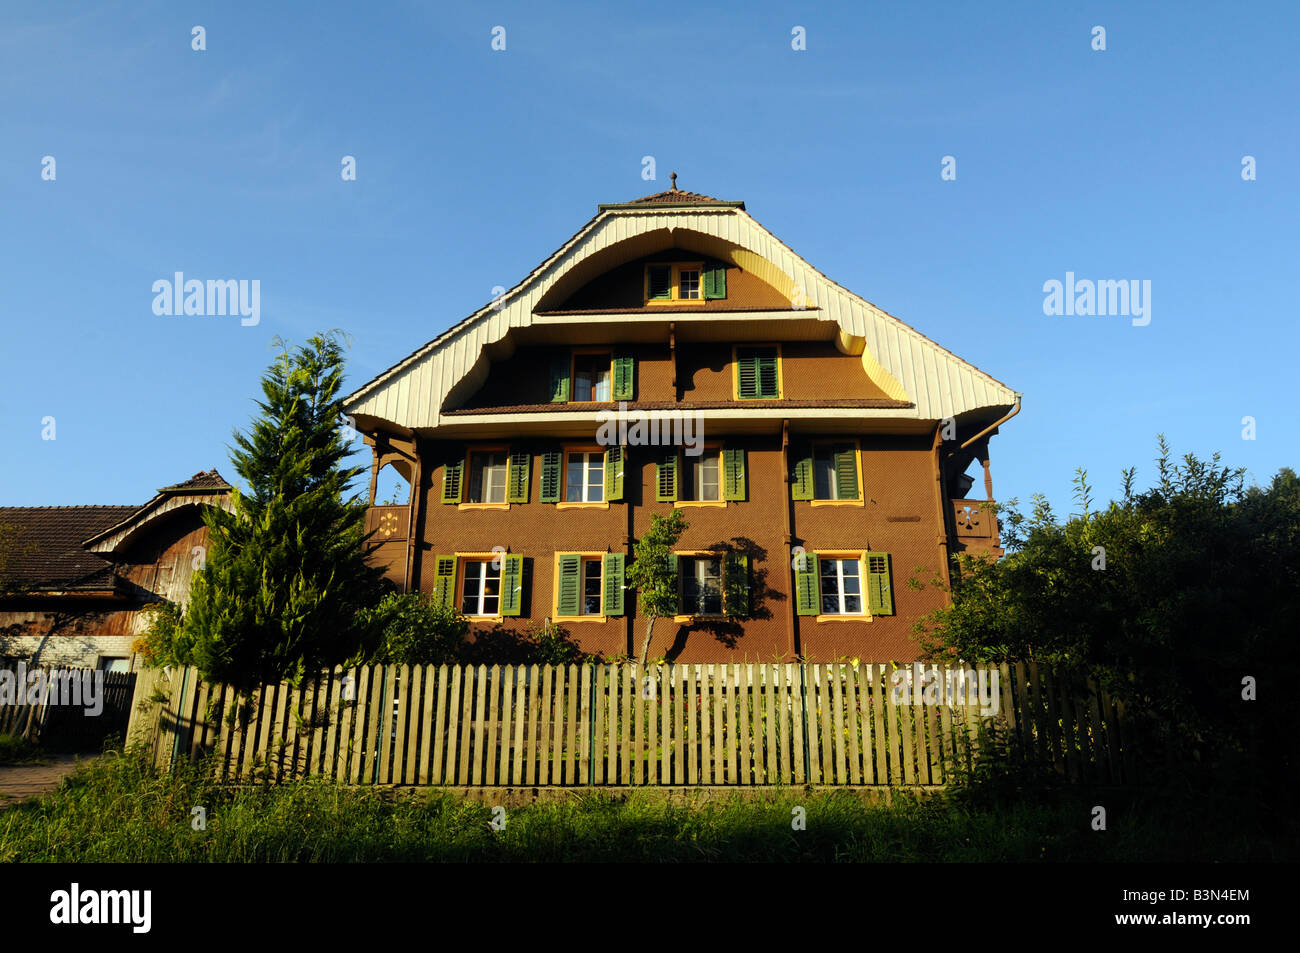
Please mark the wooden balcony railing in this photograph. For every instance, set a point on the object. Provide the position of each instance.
(389, 523)
(972, 521)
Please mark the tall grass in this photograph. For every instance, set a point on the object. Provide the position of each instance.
(119, 808)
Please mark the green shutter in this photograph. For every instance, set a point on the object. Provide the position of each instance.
(766, 370)
(613, 583)
(659, 281)
(552, 461)
(519, 477)
(444, 587)
(801, 472)
(746, 374)
(880, 586)
(846, 472)
(805, 584)
(736, 600)
(624, 377)
(733, 473)
(569, 593)
(666, 480)
(715, 280)
(614, 459)
(512, 585)
(560, 379)
(453, 480)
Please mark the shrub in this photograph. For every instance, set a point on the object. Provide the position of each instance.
(416, 630)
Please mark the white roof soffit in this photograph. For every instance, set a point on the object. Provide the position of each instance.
(411, 393)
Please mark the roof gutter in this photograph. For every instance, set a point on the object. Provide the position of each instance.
(993, 426)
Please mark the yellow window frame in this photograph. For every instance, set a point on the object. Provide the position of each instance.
(676, 298)
(573, 373)
(469, 468)
(721, 556)
(861, 556)
(462, 559)
(565, 450)
(555, 587)
(857, 459)
(735, 372)
(714, 449)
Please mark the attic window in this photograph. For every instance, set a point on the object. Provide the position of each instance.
(685, 281)
(688, 284)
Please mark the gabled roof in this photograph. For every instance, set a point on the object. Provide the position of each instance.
(68, 548)
(200, 482)
(909, 366)
(47, 546)
(205, 488)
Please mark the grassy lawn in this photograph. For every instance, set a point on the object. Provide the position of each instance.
(119, 809)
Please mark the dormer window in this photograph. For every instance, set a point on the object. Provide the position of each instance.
(677, 282)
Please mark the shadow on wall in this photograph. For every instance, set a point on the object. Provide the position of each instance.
(726, 631)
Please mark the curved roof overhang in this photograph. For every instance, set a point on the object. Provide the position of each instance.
(412, 396)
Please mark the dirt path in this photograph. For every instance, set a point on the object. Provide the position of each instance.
(19, 781)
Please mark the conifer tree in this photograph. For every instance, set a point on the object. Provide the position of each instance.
(286, 581)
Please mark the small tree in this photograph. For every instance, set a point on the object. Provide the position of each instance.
(650, 576)
(286, 581)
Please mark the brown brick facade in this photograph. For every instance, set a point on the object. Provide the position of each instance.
(898, 516)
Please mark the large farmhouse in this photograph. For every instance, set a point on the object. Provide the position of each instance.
(674, 354)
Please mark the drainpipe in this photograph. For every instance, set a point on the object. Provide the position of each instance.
(941, 507)
(988, 485)
(789, 536)
(417, 479)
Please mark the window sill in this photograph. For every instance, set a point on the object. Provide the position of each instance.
(483, 506)
(659, 302)
(687, 619)
(486, 618)
(579, 618)
(683, 503)
(836, 502)
(582, 506)
(845, 617)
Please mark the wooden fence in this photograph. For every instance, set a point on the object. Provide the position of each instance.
(584, 725)
(42, 719)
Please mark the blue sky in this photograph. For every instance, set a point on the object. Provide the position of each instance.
(474, 165)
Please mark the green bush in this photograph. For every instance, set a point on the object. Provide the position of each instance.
(416, 630)
(14, 749)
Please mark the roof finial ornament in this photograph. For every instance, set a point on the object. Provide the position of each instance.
(673, 176)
